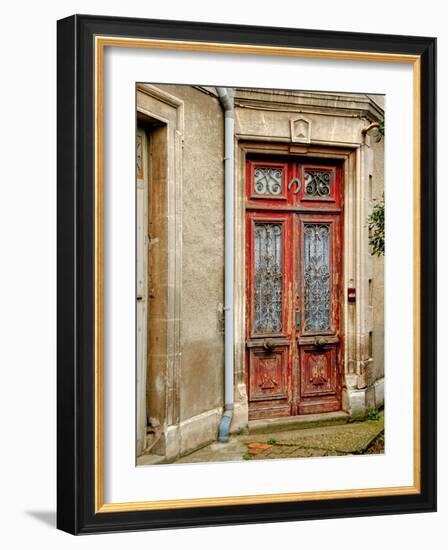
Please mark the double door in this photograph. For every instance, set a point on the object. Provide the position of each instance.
(294, 251)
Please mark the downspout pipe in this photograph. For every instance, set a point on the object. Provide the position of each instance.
(226, 99)
(370, 127)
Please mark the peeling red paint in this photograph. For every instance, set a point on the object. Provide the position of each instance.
(289, 374)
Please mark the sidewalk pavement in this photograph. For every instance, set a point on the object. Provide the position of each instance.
(347, 439)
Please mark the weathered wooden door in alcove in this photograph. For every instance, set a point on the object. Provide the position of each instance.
(294, 251)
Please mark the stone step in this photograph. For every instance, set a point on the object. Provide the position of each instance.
(150, 459)
(268, 425)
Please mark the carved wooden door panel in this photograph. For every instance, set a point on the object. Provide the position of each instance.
(293, 291)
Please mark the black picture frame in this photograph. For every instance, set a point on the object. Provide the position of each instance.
(76, 271)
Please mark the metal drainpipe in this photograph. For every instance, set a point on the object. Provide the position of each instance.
(226, 100)
(369, 127)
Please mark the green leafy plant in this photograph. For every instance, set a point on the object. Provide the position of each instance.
(374, 414)
(376, 229)
(247, 456)
(271, 441)
(379, 131)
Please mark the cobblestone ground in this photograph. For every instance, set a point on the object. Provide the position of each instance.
(346, 439)
(290, 451)
(377, 446)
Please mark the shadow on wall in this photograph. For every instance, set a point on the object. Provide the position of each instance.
(47, 517)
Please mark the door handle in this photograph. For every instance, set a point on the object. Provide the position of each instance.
(299, 185)
(320, 342)
(268, 344)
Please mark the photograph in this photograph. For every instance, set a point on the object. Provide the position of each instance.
(260, 252)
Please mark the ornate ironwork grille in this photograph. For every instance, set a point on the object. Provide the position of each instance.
(268, 278)
(316, 262)
(268, 181)
(317, 184)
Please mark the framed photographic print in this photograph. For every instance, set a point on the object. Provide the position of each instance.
(246, 274)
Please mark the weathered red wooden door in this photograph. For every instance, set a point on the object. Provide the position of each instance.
(294, 214)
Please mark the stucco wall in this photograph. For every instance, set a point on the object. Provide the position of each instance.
(202, 370)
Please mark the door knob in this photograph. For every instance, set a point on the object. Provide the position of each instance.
(267, 344)
(320, 342)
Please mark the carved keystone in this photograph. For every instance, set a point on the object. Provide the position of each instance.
(301, 130)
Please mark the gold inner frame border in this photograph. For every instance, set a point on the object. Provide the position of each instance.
(101, 42)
